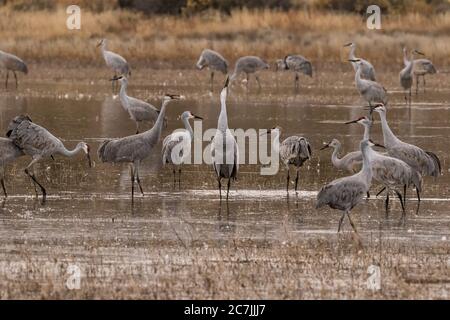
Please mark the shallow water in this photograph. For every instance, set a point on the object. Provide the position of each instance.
(94, 203)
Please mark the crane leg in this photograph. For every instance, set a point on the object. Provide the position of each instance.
(6, 82)
(404, 195)
(410, 98)
(44, 192)
(212, 80)
(296, 80)
(17, 84)
(287, 182)
(368, 194)
(340, 221)
(132, 182)
(351, 223)
(138, 179)
(296, 181)
(417, 85)
(220, 189)
(113, 82)
(379, 192)
(386, 204)
(248, 78)
(259, 83)
(228, 187)
(424, 89)
(418, 195)
(174, 177)
(3, 187)
(399, 195)
(179, 178)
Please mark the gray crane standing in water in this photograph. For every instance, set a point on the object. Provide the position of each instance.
(8, 153)
(114, 61)
(390, 172)
(176, 148)
(293, 151)
(367, 69)
(39, 143)
(134, 149)
(248, 65)
(224, 148)
(213, 61)
(421, 68)
(371, 91)
(426, 163)
(138, 110)
(297, 64)
(345, 193)
(10, 62)
(406, 75)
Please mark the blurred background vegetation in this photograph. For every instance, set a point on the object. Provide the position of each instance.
(172, 33)
(174, 7)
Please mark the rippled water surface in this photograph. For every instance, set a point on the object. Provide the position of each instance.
(91, 207)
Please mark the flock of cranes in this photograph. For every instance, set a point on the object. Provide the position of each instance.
(400, 167)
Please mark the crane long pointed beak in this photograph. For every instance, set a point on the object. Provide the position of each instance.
(353, 121)
(324, 147)
(227, 81)
(197, 117)
(418, 52)
(353, 60)
(116, 78)
(347, 45)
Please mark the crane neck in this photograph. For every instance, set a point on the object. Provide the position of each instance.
(388, 136)
(222, 123)
(188, 127)
(73, 152)
(276, 137)
(366, 170)
(157, 127)
(335, 155)
(123, 94)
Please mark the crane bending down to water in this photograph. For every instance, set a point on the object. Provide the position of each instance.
(10, 62)
(297, 64)
(39, 143)
(350, 162)
(137, 109)
(345, 193)
(367, 69)
(426, 163)
(391, 172)
(421, 68)
(176, 148)
(114, 61)
(406, 75)
(293, 151)
(133, 149)
(8, 153)
(224, 148)
(214, 61)
(371, 91)
(248, 65)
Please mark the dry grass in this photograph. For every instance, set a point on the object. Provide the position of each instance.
(41, 36)
(239, 269)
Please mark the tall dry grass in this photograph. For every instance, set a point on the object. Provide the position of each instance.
(42, 36)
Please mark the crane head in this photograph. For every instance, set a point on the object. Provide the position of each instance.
(333, 144)
(360, 120)
(350, 44)
(415, 51)
(379, 107)
(86, 148)
(189, 115)
(355, 60)
(102, 41)
(170, 97)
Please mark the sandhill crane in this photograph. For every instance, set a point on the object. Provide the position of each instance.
(39, 143)
(249, 64)
(114, 61)
(224, 148)
(293, 151)
(350, 162)
(371, 91)
(345, 193)
(176, 148)
(390, 172)
(425, 162)
(406, 75)
(367, 69)
(133, 149)
(296, 63)
(137, 109)
(421, 68)
(10, 62)
(214, 61)
(8, 153)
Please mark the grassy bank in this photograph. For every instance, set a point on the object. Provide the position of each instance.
(169, 41)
